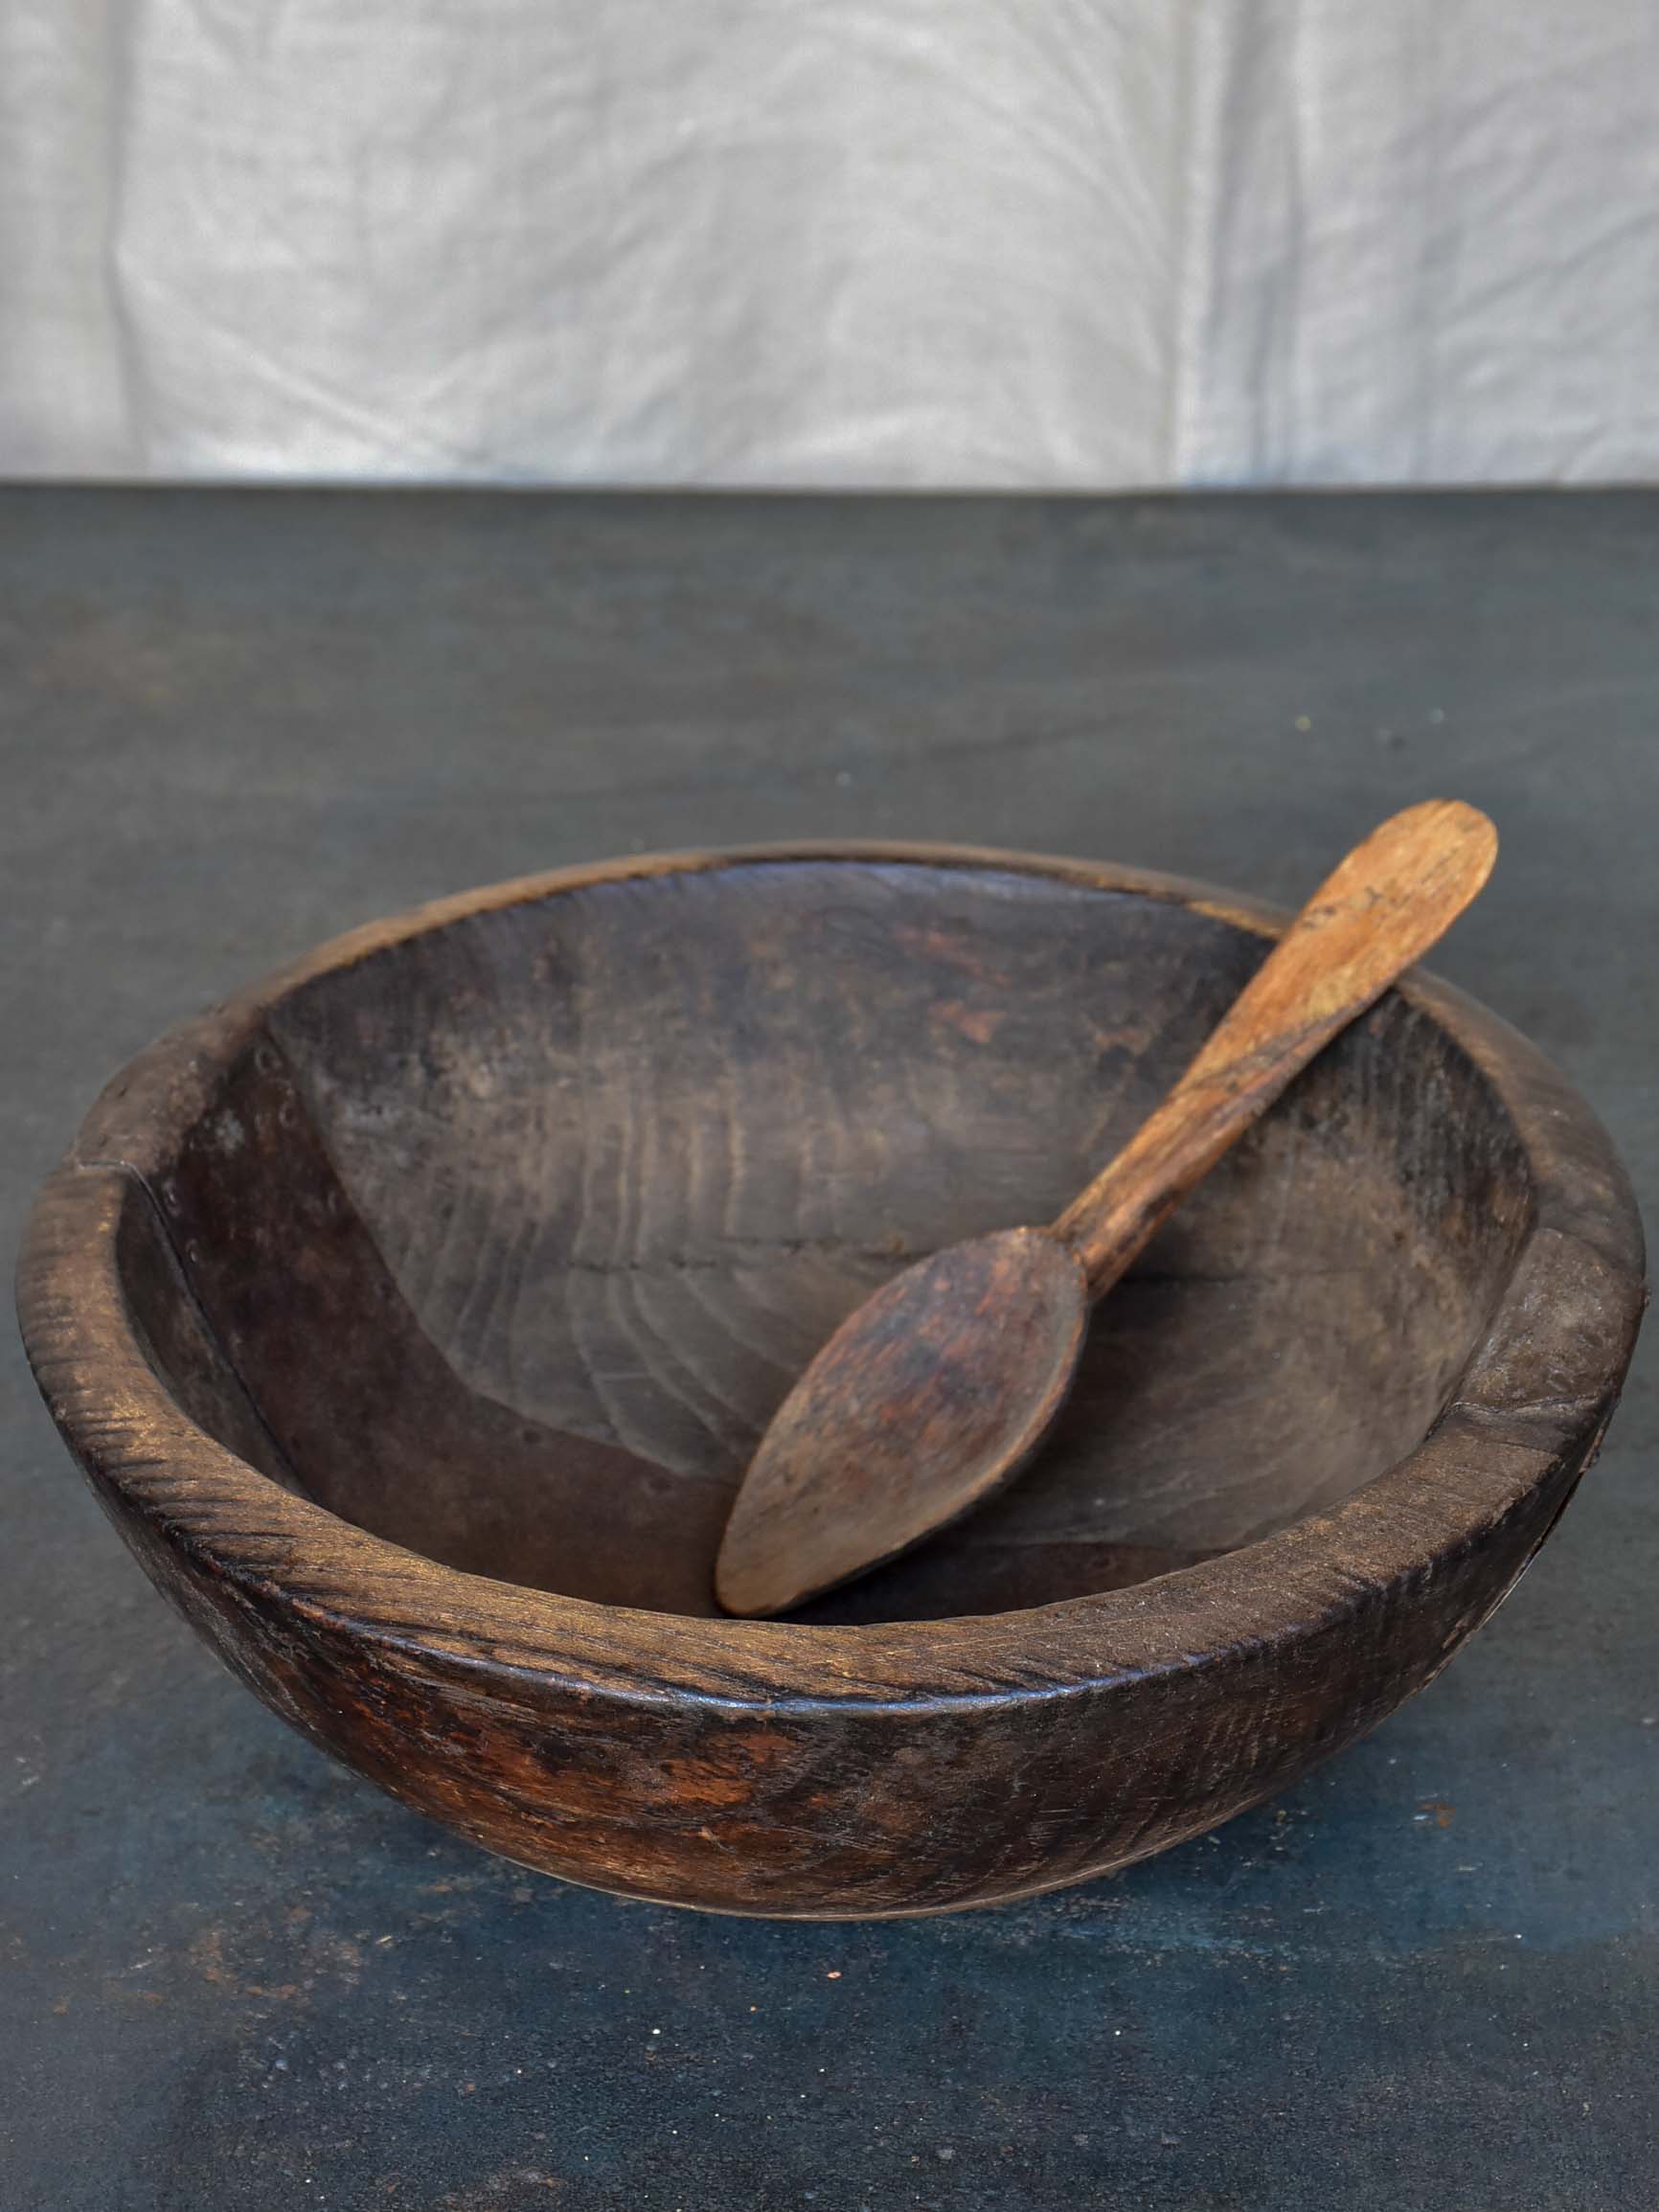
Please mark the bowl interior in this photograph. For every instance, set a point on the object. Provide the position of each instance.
(505, 1240)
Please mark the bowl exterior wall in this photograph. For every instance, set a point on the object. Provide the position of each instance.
(821, 1809)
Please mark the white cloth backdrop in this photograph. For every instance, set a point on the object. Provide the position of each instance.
(1073, 242)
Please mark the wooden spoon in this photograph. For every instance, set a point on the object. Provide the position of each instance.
(939, 1388)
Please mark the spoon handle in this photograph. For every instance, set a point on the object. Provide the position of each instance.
(1378, 911)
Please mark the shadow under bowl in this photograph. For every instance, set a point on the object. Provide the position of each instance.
(415, 1315)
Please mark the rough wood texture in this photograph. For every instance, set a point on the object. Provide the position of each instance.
(604, 1157)
(1383, 907)
(926, 1399)
(934, 1393)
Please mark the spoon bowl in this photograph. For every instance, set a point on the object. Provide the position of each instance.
(959, 1364)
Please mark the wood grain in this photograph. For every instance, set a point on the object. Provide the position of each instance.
(1384, 906)
(318, 1319)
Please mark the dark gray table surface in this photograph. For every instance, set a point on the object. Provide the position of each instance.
(236, 1976)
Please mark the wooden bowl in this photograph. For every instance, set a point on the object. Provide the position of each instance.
(414, 1315)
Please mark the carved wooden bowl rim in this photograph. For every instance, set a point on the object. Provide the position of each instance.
(1536, 1392)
